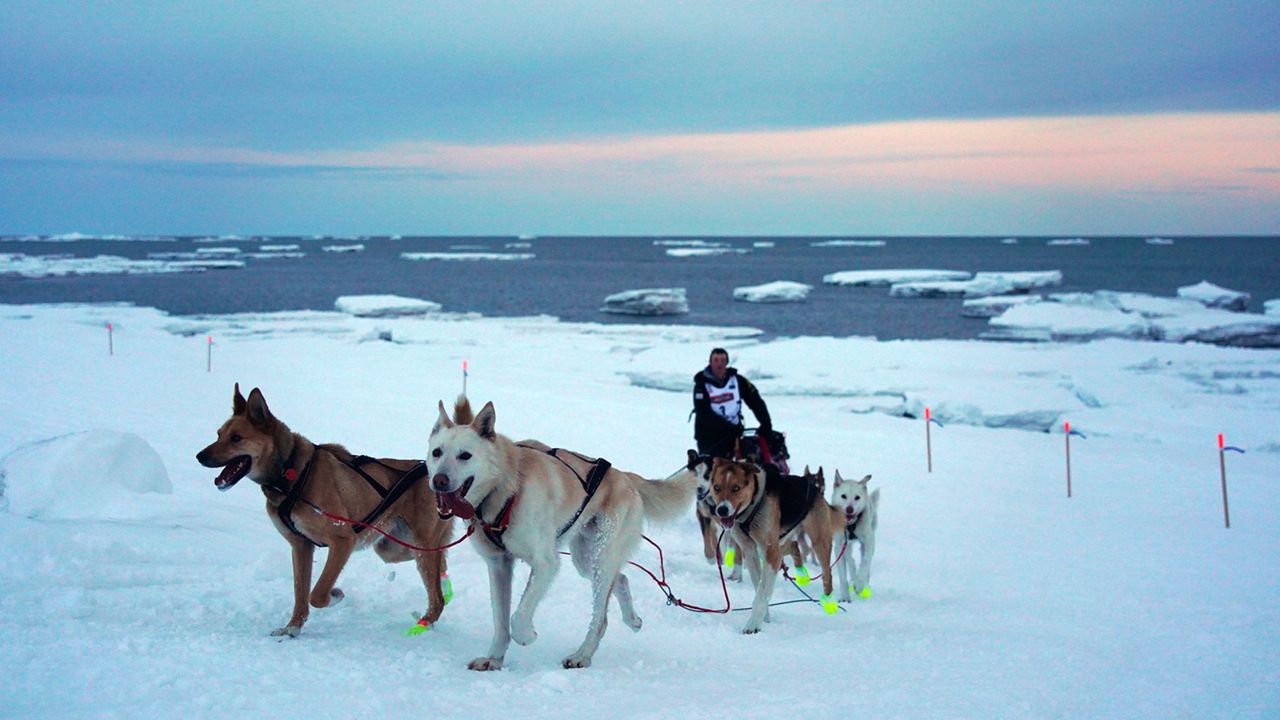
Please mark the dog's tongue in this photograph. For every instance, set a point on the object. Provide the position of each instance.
(727, 522)
(232, 472)
(454, 503)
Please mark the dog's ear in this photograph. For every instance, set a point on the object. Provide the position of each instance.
(839, 480)
(737, 448)
(257, 410)
(237, 402)
(806, 470)
(443, 422)
(693, 460)
(819, 475)
(866, 479)
(484, 422)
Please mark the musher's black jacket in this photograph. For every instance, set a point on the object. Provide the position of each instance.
(714, 434)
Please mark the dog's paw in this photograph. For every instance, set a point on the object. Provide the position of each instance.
(633, 621)
(319, 600)
(866, 593)
(750, 630)
(287, 631)
(577, 660)
(485, 664)
(523, 632)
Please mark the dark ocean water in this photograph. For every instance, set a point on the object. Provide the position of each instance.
(570, 277)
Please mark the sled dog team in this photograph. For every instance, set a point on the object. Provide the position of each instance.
(523, 501)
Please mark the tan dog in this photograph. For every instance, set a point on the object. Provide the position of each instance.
(765, 512)
(300, 478)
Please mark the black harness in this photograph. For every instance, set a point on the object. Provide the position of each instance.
(795, 499)
(590, 484)
(293, 494)
(850, 532)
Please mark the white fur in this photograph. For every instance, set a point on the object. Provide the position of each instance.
(852, 498)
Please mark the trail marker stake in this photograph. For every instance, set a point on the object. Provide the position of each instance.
(1222, 466)
(928, 439)
(1068, 432)
(464, 378)
(111, 343)
(208, 364)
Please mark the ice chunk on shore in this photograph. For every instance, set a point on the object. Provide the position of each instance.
(777, 291)
(1088, 316)
(1214, 296)
(648, 301)
(99, 475)
(981, 285)
(892, 277)
(384, 306)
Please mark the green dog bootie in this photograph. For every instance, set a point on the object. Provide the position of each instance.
(866, 593)
(828, 604)
(802, 576)
(728, 558)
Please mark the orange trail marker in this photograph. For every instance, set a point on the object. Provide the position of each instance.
(111, 343)
(1223, 447)
(208, 367)
(464, 378)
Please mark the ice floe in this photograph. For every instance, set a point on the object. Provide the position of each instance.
(705, 251)
(358, 247)
(691, 243)
(1068, 241)
(648, 301)
(848, 243)
(279, 248)
(1272, 307)
(980, 285)
(1159, 241)
(384, 306)
(39, 266)
(777, 291)
(466, 256)
(1214, 296)
(994, 305)
(892, 277)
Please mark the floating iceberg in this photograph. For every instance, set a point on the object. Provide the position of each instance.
(1068, 241)
(691, 243)
(384, 306)
(1272, 307)
(892, 277)
(1159, 241)
(218, 250)
(650, 301)
(777, 291)
(343, 248)
(40, 266)
(1211, 295)
(279, 248)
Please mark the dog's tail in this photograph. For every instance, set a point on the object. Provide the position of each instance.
(462, 414)
(875, 498)
(666, 500)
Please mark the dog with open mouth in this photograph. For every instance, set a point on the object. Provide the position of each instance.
(765, 510)
(301, 480)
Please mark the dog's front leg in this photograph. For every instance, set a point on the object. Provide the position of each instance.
(846, 559)
(303, 552)
(500, 599)
(863, 575)
(325, 593)
(771, 563)
(542, 570)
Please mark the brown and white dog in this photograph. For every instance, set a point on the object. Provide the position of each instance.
(764, 512)
(527, 498)
(254, 444)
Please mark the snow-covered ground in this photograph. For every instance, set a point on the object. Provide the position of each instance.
(994, 595)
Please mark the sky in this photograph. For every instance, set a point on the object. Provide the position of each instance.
(722, 118)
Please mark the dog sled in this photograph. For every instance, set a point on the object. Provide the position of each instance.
(765, 449)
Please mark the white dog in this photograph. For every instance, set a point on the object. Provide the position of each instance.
(526, 498)
(859, 511)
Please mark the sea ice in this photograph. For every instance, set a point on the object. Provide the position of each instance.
(467, 256)
(892, 277)
(1214, 296)
(384, 305)
(649, 301)
(777, 291)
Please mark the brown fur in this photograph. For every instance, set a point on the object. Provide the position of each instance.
(254, 432)
(734, 486)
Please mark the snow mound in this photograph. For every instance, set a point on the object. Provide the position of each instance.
(648, 301)
(97, 474)
(1213, 296)
(892, 277)
(384, 306)
(777, 291)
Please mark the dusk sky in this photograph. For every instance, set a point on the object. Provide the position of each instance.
(689, 118)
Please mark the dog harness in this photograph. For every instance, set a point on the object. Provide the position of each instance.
(795, 499)
(590, 484)
(298, 482)
(850, 529)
